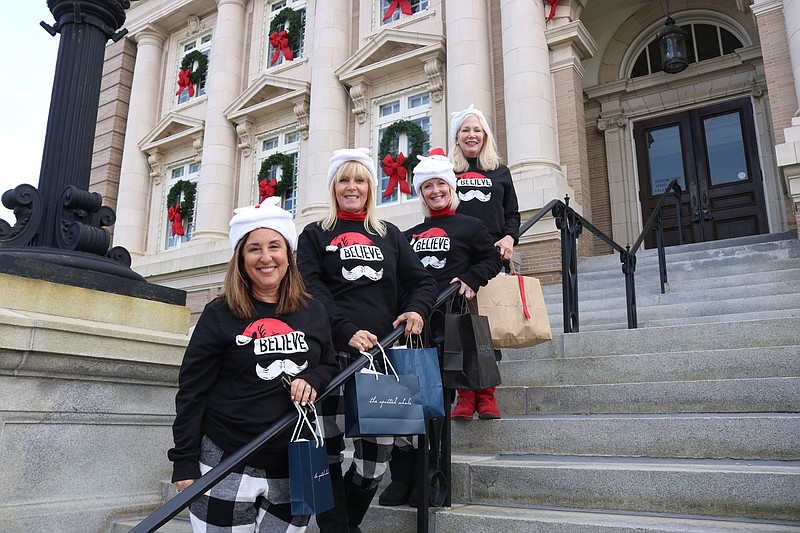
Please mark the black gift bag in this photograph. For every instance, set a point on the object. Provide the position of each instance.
(469, 357)
(309, 475)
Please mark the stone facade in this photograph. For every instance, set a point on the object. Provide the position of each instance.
(559, 95)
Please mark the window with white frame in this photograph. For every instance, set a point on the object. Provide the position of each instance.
(288, 144)
(201, 44)
(386, 5)
(296, 36)
(414, 107)
(179, 176)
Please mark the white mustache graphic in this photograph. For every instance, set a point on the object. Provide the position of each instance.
(431, 260)
(276, 368)
(469, 195)
(360, 271)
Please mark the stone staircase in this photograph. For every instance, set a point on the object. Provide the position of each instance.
(690, 423)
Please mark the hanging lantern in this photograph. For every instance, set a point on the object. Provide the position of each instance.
(672, 39)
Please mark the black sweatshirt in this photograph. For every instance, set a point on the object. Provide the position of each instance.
(453, 246)
(490, 197)
(227, 389)
(356, 275)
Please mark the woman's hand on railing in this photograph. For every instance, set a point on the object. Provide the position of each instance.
(362, 340)
(183, 484)
(302, 391)
(465, 290)
(413, 320)
(506, 247)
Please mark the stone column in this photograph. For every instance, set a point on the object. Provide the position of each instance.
(134, 181)
(779, 29)
(469, 66)
(328, 107)
(217, 170)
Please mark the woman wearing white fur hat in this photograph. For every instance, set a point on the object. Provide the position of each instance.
(354, 263)
(231, 379)
(454, 248)
(486, 191)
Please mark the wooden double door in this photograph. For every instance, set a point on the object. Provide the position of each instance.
(713, 154)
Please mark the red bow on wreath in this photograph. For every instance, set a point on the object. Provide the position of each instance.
(280, 42)
(405, 7)
(266, 188)
(185, 82)
(174, 215)
(396, 172)
(553, 4)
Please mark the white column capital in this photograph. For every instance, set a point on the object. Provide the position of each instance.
(761, 7)
(150, 35)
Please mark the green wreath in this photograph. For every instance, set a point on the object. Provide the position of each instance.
(416, 141)
(173, 197)
(285, 183)
(202, 66)
(293, 25)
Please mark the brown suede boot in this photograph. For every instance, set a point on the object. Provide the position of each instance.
(465, 405)
(487, 404)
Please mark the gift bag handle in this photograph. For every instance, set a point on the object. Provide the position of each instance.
(302, 420)
(386, 362)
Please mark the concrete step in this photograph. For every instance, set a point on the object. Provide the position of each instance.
(761, 362)
(752, 489)
(776, 395)
(760, 333)
(176, 525)
(757, 436)
(478, 518)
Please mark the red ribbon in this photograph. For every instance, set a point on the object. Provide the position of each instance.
(522, 294)
(553, 4)
(405, 7)
(266, 188)
(280, 42)
(174, 215)
(396, 172)
(185, 82)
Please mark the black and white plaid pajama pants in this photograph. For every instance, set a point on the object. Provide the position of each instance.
(248, 500)
(370, 454)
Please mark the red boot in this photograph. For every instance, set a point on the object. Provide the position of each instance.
(465, 405)
(487, 404)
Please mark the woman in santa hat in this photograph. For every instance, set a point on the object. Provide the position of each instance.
(354, 263)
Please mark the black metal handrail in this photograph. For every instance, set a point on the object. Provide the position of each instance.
(572, 224)
(170, 509)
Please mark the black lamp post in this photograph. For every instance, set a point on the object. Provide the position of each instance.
(59, 233)
(672, 39)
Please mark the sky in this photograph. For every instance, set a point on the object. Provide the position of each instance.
(27, 66)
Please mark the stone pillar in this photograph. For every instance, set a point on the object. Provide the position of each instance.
(134, 181)
(530, 108)
(779, 29)
(625, 219)
(217, 179)
(328, 113)
(469, 67)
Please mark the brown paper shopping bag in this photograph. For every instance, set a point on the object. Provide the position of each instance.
(517, 314)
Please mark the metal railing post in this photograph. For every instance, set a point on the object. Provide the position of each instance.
(629, 268)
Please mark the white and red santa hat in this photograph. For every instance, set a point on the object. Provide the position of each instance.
(457, 118)
(361, 155)
(267, 215)
(434, 165)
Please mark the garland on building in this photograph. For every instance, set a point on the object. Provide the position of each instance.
(404, 6)
(398, 169)
(284, 40)
(189, 77)
(272, 187)
(177, 210)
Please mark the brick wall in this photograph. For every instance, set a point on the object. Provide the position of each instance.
(601, 197)
(542, 259)
(197, 300)
(112, 113)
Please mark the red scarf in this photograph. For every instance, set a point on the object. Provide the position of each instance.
(442, 212)
(354, 217)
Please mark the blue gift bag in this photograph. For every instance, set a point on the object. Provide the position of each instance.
(309, 474)
(423, 363)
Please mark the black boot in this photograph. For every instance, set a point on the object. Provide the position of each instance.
(358, 501)
(402, 467)
(335, 520)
